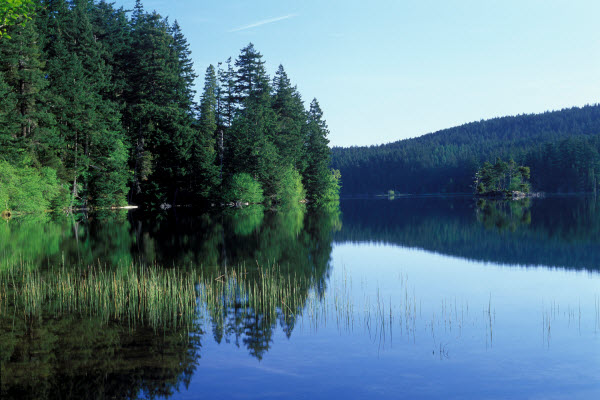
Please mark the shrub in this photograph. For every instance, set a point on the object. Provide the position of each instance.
(291, 189)
(27, 189)
(243, 188)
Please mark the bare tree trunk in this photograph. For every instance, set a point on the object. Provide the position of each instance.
(221, 153)
(74, 192)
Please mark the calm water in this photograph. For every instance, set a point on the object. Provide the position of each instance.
(406, 298)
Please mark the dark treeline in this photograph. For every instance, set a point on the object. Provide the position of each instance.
(97, 108)
(562, 148)
(526, 233)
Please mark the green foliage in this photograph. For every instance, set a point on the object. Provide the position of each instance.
(502, 177)
(109, 185)
(246, 220)
(14, 12)
(27, 189)
(561, 147)
(291, 189)
(318, 180)
(107, 101)
(205, 172)
(504, 215)
(332, 191)
(243, 188)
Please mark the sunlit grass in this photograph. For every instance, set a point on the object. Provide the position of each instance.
(138, 295)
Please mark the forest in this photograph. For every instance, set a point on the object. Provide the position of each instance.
(562, 149)
(98, 109)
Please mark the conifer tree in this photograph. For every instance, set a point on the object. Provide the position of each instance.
(291, 116)
(185, 68)
(205, 173)
(317, 176)
(251, 77)
(157, 117)
(23, 69)
(226, 94)
(252, 147)
(88, 120)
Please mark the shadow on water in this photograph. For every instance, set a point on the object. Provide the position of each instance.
(554, 232)
(84, 358)
(255, 272)
(75, 342)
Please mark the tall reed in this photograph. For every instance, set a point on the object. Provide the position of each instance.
(137, 295)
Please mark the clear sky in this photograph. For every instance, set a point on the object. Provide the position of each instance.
(389, 70)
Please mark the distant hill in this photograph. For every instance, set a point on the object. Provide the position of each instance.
(561, 147)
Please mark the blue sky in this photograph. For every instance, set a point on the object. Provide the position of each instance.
(389, 70)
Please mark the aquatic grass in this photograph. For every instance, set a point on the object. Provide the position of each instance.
(138, 295)
(246, 301)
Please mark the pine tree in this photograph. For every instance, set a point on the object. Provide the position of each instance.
(226, 95)
(291, 116)
(251, 77)
(89, 122)
(185, 68)
(22, 65)
(205, 173)
(252, 148)
(158, 114)
(317, 176)
(112, 30)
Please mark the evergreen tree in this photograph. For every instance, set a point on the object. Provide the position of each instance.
(112, 30)
(251, 77)
(252, 147)
(317, 176)
(185, 69)
(226, 95)
(89, 122)
(157, 117)
(291, 116)
(23, 69)
(205, 173)
(8, 122)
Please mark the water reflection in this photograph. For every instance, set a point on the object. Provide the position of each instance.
(504, 214)
(244, 300)
(294, 238)
(49, 354)
(553, 232)
(75, 358)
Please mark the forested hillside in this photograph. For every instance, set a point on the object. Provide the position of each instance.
(97, 108)
(562, 148)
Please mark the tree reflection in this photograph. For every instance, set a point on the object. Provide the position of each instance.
(75, 358)
(555, 232)
(71, 356)
(504, 214)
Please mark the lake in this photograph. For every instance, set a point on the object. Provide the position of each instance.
(413, 297)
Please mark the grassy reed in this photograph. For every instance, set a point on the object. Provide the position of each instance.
(147, 295)
(264, 291)
(243, 298)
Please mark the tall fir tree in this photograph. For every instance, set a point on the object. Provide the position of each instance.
(317, 176)
(88, 121)
(291, 116)
(252, 148)
(157, 115)
(205, 173)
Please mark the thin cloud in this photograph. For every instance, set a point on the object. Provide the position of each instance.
(263, 22)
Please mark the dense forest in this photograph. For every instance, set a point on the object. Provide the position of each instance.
(562, 149)
(98, 109)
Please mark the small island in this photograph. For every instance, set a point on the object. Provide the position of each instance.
(503, 180)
